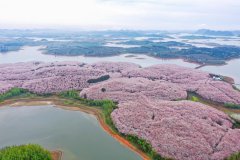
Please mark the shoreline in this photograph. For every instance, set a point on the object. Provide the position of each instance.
(56, 102)
(56, 154)
(43, 51)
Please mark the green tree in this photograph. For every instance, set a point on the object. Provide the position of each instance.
(25, 152)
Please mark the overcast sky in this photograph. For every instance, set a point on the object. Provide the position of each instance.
(121, 14)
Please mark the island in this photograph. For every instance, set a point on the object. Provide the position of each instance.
(171, 112)
(204, 47)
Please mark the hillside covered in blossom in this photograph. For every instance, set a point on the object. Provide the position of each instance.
(152, 102)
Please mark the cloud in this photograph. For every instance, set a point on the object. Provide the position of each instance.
(132, 14)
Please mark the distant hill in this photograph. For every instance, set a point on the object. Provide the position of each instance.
(237, 33)
(214, 33)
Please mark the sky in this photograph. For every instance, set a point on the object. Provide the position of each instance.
(121, 14)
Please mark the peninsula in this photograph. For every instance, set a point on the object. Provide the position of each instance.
(152, 103)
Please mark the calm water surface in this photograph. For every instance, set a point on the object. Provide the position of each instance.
(34, 54)
(27, 54)
(78, 134)
(232, 69)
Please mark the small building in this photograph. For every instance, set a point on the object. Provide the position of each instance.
(216, 77)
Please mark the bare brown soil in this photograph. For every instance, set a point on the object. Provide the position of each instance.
(56, 155)
(90, 110)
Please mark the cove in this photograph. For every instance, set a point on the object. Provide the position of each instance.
(78, 134)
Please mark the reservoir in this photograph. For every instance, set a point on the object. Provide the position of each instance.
(27, 54)
(77, 134)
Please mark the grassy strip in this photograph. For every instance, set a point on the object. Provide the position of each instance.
(232, 106)
(14, 92)
(192, 96)
(236, 124)
(144, 146)
(196, 98)
(235, 156)
(107, 107)
(25, 152)
(100, 79)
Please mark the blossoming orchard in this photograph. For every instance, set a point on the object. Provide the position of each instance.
(152, 102)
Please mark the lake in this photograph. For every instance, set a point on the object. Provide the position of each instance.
(27, 54)
(77, 134)
(231, 69)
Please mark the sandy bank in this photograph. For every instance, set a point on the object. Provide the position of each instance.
(57, 102)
